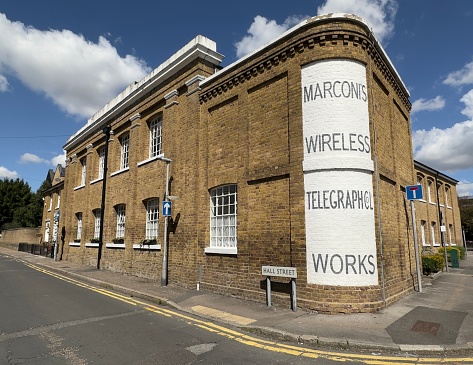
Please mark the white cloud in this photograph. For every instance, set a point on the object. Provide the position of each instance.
(59, 160)
(78, 75)
(4, 86)
(379, 14)
(27, 158)
(32, 158)
(464, 188)
(262, 31)
(447, 149)
(460, 77)
(5, 173)
(468, 100)
(433, 104)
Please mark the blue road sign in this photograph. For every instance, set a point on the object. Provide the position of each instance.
(167, 206)
(414, 192)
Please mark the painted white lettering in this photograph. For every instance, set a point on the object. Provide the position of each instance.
(347, 264)
(335, 89)
(339, 199)
(337, 141)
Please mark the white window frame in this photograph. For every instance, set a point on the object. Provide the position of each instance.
(447, 190)
(125, 151)
(97, 213)
(155, 137)
(47, 227)
(432, 232)
(422, 233)
(50, 202)
(83, 176)
(223, 220)
(79, 226)
(121, 219)
(152, 219)
(450, 226)
(419, 182)
(429, 190)
(58, 199)
(101, 163)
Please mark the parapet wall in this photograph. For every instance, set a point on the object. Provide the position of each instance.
(20, 235)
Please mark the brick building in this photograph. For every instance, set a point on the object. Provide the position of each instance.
(439, 208)
(50, 228)
(296, 155)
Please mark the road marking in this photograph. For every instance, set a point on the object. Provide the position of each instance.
(56, 326)
(215, 313)
(257, 342)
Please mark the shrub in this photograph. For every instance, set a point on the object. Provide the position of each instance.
(432, 264)
(461, 255)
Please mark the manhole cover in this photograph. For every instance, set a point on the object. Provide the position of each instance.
(426, 327)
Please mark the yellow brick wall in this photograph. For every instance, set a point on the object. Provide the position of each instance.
(244, 127)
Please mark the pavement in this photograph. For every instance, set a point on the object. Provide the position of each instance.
(440, 319)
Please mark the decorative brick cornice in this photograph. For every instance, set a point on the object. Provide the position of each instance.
(135, 116)
(193, 84)
(171, 94)
(171, 98)
(345, 38)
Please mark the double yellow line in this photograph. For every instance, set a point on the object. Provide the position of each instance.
(257, 342)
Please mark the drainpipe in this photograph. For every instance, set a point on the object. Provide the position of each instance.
(442, 234)
(106, 131)
(380, 227)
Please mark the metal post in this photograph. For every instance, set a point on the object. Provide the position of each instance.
(464, 241)
(106, 131)
(293, 295)
(416, 250)
(444, 244)
(268, 291)
(164, 272)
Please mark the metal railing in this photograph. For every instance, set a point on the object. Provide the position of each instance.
(35, 249)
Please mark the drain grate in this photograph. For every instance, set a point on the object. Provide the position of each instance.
(426, 327)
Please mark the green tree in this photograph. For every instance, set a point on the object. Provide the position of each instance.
(19, 206)
(466, 213)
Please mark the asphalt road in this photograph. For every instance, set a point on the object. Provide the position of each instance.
(47, 318)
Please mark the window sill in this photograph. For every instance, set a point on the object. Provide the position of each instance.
(144, 162)
(79, 187)
(74, 244)
(432, 203)
(137, 246)
(436, 244)
(115, 245)
(90, 244)
(96, 180)
(449, 207)
(119, 171)
(422, 200)
(221, 250)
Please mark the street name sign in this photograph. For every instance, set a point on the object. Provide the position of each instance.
(284, 272)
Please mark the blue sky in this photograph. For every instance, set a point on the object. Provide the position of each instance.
(62, 61)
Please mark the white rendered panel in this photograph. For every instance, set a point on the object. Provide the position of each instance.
(339, 204)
